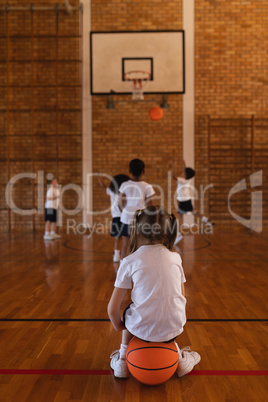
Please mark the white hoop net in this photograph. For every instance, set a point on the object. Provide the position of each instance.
(137, 81)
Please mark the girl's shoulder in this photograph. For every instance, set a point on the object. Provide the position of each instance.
(155, 251)
(148, 256)
(176, 256)
(170, 254)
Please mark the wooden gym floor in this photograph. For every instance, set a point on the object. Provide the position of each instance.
(56, 339)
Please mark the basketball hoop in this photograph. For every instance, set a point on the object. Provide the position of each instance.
(137, 80)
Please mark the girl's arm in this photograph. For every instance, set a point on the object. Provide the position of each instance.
(173, 170)
(122, 201)
(183, 168)
(114, 308)
(183, 289)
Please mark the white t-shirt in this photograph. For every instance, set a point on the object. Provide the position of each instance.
(184, 189)
(157, 313)
(53, 192)
(136, 193)
(115, 210)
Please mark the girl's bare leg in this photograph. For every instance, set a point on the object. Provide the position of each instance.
(116, 243)
(47, 227)
(126, 337)
(125, 244)
(180, 222)
(53, 227)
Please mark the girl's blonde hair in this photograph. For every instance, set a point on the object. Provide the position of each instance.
(154, 224)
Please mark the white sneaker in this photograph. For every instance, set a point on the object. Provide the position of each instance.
(48, 237)
(187, 361)
(55, 235)
(118, 365)
(116, 257)
(178, 238)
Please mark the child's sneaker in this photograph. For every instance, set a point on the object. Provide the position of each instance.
(187, 361)
(178, 238)
(55, 235)
(48, 237)
(118, 365)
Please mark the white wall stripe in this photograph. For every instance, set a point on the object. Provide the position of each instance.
(87, 118)
(189, 96)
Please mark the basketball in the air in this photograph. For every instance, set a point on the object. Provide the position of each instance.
(156, 113)
(151, 363)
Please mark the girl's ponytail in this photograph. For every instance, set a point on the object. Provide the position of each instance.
(155, 225)
(133, 234)
(172, 233)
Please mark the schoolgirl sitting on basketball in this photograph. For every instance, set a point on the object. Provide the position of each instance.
(156, 277)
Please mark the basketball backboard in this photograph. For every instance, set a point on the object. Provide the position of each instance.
(160, 53)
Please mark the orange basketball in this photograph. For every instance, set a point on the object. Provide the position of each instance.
(151, 363)
(156, 113)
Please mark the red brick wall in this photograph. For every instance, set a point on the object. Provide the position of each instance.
(127, 132)
(40, 104)
(230, 83)
(231, 86)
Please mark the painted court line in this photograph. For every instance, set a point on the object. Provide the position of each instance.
(110, 372)
(108, 320)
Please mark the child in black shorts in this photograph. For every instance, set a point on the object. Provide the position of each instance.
(184, 197)
(51, 210)
(134, 194)
(113, 191)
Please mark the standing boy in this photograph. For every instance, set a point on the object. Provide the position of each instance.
(134, 194)
(185, 193)
(51, 210)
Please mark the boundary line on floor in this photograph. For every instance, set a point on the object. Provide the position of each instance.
(110, 372)
(107, 320)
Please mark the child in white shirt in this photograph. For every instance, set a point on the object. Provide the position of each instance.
(134, 194)
(156, 277)
(113, 191)
(185, 193)
(51, 210)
